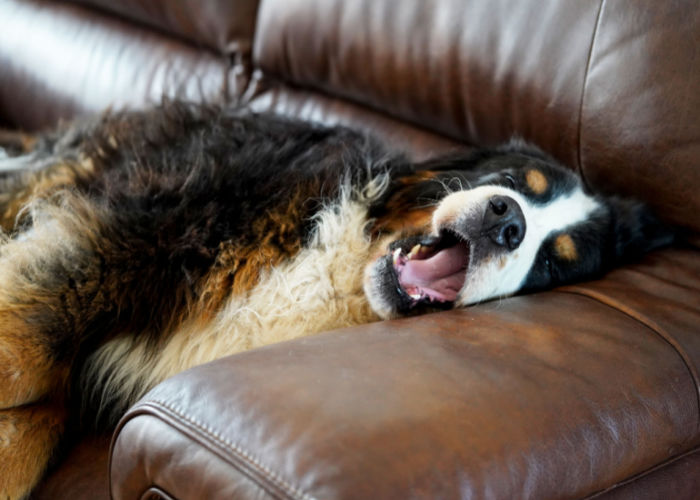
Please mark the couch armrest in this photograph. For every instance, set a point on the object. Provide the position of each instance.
(549, 395)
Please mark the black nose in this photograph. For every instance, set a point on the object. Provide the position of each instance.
(504, 222)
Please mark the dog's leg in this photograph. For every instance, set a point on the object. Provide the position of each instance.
(51, 289)
(32, 415)
(28, 436)
(37, 314)
(28, 369)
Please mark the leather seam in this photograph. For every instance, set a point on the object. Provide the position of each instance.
(253, 462)
(641, 475)
(649, 324)
(584, 87)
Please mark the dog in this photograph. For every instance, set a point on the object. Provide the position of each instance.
(138, 244)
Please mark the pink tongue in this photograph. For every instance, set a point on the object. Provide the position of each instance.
(443, 273)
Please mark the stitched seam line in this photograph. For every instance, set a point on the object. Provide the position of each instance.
(648, 323)
(641, 475)
(274, 478)
(584, 88)
(237, 450)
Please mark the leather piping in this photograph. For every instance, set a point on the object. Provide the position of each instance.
(230, 452)
(641, 475)
(650, 324)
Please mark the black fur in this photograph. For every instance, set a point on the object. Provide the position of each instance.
(172, 211)
(176, 186)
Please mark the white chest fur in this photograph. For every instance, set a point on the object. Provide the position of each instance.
(320, 289)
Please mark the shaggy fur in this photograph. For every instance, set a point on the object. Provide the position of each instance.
(138, 244)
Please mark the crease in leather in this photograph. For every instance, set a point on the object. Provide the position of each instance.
(198, 431)
(99, 10)
(647, 322)
(154, 493)
(261, 82)
(642, 474)
(594, 36)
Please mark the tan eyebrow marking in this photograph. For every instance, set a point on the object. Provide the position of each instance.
(565, 247)
(536, 181)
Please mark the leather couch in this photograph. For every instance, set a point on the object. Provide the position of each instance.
(585, 391)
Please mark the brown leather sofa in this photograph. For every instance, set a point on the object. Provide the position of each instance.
(585, 391)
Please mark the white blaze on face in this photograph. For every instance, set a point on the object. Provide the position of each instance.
(505, 272)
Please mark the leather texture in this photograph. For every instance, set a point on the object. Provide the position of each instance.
(477, 71)
(678, 479)
(656, 294)
(59, 60)
(644, 70)
(555, 395)
(591, 390)
(82, 474)
(418, 143)
(551, 72)
(182, 468)
(226, 26)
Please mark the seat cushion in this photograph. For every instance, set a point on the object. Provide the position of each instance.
(566, 393)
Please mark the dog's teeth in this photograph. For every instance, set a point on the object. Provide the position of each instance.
(397, 254)
(414, 251)
(416, 296)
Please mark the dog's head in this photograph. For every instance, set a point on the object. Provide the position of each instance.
(499, 222)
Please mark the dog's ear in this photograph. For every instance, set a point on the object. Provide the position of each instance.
(636, 229)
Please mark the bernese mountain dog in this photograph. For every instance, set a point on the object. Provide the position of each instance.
(135, 245)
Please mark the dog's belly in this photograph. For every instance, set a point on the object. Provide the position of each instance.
(320, 289)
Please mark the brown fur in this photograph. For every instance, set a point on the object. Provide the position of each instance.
(28, 437)
(565, 247)
(536, 181)
(403, 213)
(27, 369)
(20, 190)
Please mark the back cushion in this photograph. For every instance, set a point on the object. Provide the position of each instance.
(225, 26)
(610, 88)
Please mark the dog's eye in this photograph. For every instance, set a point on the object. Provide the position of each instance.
(510, 180)
(551, 269)
(548, 265)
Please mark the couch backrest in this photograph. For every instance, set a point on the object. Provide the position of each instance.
(59, 59)
(612, 88)
(225, 26)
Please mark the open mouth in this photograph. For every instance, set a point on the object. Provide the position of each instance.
(434, 270)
